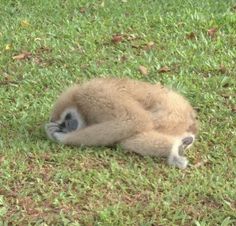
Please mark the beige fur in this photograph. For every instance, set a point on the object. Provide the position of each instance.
(141, 117)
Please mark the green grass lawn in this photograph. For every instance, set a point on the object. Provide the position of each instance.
(67, 41)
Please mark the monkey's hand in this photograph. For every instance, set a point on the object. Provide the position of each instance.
(54, 132)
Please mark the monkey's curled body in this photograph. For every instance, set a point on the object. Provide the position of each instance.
(141, 117)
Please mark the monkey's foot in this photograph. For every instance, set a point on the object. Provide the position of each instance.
(54, 132)
(175, 159)
(178, 161)
(186, 143)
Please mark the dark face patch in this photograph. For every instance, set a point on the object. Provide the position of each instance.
(68, 116)
(62, 126)
(69, 124)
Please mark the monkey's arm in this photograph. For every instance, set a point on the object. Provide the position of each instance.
(132, 119)
(103, 134)
(106, 133)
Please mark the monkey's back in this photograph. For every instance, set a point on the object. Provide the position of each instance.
(171, 112)
(104, 99)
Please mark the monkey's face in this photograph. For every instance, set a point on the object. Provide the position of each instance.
(69, 123)
(69, 120)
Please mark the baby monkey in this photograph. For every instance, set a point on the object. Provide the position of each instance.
(141, 117)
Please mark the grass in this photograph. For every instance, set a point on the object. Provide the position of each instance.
(43, 183)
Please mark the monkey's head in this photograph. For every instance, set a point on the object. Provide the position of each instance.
(65, 113)
(68, 120)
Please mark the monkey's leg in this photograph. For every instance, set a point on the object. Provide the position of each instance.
(157, 144)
